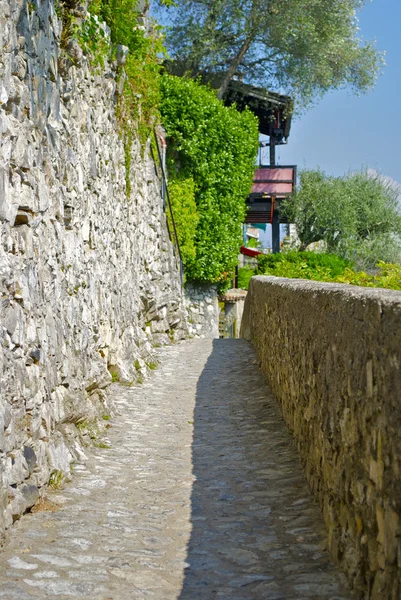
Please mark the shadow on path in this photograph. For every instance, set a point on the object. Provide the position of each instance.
(256, 532)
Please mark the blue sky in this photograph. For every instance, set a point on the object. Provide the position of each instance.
(346, 132)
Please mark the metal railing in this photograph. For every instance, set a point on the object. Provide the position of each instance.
(160, 168)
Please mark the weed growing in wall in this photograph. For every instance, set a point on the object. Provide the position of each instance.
(139, 76)
(56, 479)
(137, 109)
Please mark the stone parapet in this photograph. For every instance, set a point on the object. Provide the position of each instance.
(332, 357)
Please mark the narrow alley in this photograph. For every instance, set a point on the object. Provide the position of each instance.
(199, 495)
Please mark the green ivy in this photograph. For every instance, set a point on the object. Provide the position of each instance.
(215, 146)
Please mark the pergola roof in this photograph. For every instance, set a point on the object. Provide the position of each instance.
(264, 104)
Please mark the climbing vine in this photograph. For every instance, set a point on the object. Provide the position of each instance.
(137, 109)
(139, 71)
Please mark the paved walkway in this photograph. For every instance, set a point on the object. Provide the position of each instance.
(200, 496)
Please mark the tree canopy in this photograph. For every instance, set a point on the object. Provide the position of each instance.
(357, 216)
(305, 47)
(211, 156)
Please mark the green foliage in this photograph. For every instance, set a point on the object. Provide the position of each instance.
(122, 18)
(244, 277)
(115, 375)
(327, 267)
(254, 243)
(357, 216)
(186, 216)
(303, 265)
(388, 276)
(82, 424)
(137, 108)
(152, 365)
(306, 47)
(56, 479)
(214, 146)
(93, 40)
(102, 445)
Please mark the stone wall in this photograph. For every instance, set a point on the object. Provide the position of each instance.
(332, 357)
(202, 310)
(89, 279)
(232, 308)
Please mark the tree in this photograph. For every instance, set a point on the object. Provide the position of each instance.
(213, 147)
(357, 216)
(305, 47)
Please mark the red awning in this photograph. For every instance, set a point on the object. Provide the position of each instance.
(250, 252)
(274, 181)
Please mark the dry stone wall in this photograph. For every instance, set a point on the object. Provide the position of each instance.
(332, 356)
(202, 310)
(89, 278)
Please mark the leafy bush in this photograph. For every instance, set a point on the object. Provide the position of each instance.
(357, 216)
(388, 276)
(303, 265)
(216, 147)
(253, 243)
(327, 267)
(186, 217)
(244, 277)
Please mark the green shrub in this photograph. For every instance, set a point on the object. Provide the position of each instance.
(388, 276)
(215, 146)
(253, 243)
(328, 267)
(244, 277)
(186, 216)
(303, 265)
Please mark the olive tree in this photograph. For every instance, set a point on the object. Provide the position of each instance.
(357, 215)
(305, 47)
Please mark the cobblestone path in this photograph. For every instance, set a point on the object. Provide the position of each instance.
(200, 496)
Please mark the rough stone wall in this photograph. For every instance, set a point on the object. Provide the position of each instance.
(332, 356)
(89, 279)
(202, 310)
(232, 303)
